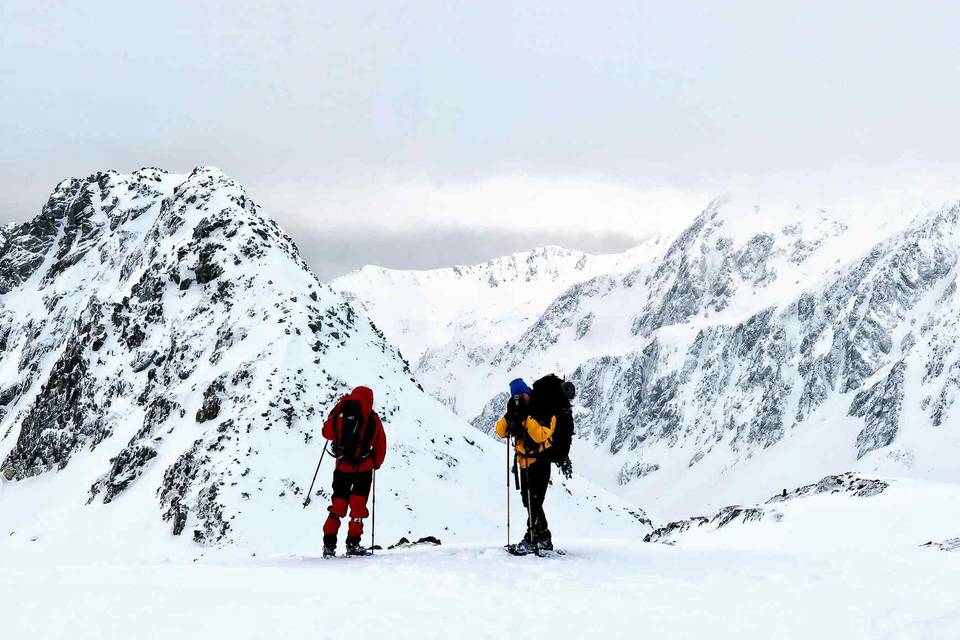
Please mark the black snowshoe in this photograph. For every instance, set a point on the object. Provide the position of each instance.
(542, 549)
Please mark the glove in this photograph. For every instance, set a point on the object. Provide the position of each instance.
(566, 467)
(516, 414)
(516, 408)
(515, 428)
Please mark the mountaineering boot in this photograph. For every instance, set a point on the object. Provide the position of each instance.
(354, 548)
(545, 544)
(329, 546)
(524, 547)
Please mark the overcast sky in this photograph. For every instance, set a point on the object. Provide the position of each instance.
(424, 133)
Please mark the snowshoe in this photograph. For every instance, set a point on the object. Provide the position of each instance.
(329, 552)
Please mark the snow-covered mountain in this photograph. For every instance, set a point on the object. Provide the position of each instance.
(755, 349)
(451, 323)
(167, 359)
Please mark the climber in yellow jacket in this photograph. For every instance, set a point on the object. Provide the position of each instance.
(532, 440)
(531, 434)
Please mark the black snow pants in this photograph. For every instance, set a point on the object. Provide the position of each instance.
(534, 481)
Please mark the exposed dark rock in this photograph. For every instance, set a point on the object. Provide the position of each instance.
(404, 543)
(953, 544)
(880, 406)
(207, 269)
(211, 402)
(848, 483)
(65, 414)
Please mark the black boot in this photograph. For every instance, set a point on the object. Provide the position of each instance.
(543, 538)
(524, 547)
(354, 548)
(329, 546)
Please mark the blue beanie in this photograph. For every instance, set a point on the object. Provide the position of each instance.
(518, 386)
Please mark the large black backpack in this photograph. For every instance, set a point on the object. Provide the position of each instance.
(551, 398)
(355, 435)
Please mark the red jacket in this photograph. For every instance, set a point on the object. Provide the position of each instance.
(363, 395)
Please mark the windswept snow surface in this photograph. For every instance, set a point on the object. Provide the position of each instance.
(606, 589)
(843, 559)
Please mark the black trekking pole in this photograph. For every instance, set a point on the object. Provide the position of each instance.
(373, 523)
(310, 492)
(508, 490)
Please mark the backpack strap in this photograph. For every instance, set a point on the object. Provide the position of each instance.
(368, 430)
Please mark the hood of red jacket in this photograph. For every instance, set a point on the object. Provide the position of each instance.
(363, 395)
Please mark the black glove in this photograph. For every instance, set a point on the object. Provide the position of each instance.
(516, 408)
(566, 467)
(516, 415)
(516, 429)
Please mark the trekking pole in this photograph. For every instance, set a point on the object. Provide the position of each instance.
(508, 491)
(373, 524)
(529, 505)
(310, 492)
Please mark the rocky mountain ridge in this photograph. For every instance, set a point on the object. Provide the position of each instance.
(167, 359)
(754, 350)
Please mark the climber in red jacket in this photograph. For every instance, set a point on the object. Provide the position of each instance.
(359, 445)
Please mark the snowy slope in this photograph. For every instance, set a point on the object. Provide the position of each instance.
(851, 371)
(838, 566)
(845, 513)
(167, 359)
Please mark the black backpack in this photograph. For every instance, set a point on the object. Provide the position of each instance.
(551, 398)
(355, 435)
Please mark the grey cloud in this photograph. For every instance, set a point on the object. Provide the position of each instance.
(334, 253)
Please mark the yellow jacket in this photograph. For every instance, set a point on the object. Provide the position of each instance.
(541, 436)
